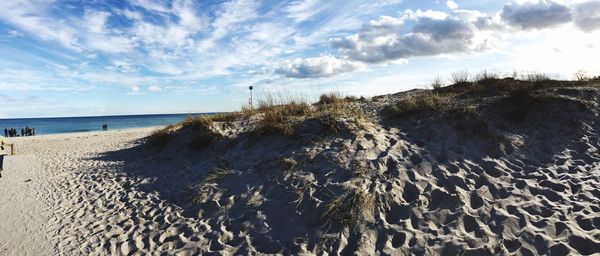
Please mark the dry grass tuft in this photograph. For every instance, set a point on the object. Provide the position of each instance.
(226, 117)
(437, 83)
(349, 208)
(459, 77)
(289, 162)
(330, 98)
(428, 101)
(278, 120)
(278, 115)
(161, 137)
(537, 77)
(201, 191)
(300, 194)
(485, 76)
(203, 134)
(331, 122)
(219, 172)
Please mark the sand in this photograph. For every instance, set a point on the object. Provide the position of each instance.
(435, 184)
(56, 198)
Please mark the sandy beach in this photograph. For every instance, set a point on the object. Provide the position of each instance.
(450, 181)
(57, 198)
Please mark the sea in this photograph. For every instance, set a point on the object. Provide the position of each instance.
(57, 125)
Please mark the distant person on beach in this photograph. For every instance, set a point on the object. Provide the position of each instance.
(1, 155)
(5, 132)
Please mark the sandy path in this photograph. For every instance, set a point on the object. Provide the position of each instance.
(56, 198)
(24, 208)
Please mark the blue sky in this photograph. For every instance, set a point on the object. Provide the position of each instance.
(73, 58)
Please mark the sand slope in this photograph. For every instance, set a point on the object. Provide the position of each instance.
(457, 182)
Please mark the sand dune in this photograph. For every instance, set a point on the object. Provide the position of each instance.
(510, 176)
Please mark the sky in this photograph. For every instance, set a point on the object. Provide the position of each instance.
(114, 57)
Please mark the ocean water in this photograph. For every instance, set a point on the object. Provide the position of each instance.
(57, 125)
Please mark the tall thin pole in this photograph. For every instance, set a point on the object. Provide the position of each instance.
(250, 87)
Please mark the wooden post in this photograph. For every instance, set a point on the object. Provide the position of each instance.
(12, 148)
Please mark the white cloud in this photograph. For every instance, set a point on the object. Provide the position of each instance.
(302, 10)
(30, 17)
(95, 21)
(587, 16)
(14, 33)
(111, 44)
(152, 5)
(154, 88)
(229, 14)
(135, 88)
(322, 66)
(433, 33)
(536, 15)
(452, 5)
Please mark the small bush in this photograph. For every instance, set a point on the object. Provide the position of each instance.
(537, 77)
(485, 76)
(412, 104)
(437, 83)
(459, 77)
(330, 98)
(335, 98)
(582, 76)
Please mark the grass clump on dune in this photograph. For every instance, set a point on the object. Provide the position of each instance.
(161, 137)
(415, 103)
(203, 134)
(349, 208)
(437, 83)
(277, 118)
(460, 77)
(334, 98)
(484, 77)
